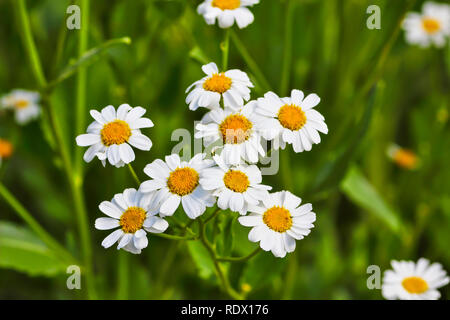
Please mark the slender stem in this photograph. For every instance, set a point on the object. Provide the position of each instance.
(287, 58)
(225, 46)
(123, 275)
(212, 216)
(174, 237)
(250, 61)
(240, 259)
(35, 226)
(133, 173)
(223, 279)
(290, 275)
(74, 180)
(80, 116)
(27, 39)
(169, 259)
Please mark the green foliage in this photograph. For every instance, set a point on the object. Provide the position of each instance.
(360, 191)
(375, 90)
(21, 250)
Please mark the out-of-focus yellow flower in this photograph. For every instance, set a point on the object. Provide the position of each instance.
(6, 149)
(404, 158)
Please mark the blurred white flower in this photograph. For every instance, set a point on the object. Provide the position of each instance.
(134, 215)
(431, 27)
(278, 221)
(414, 281)
(24, 104)
(109, 137)
(291, 120)
(227, 12)
(236, 187)
(232, 85)
(175, 181)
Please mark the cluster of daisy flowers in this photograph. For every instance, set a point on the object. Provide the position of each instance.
(229, 177)
(430, 27)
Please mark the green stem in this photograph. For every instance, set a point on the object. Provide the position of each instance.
(289, 279)
(240, 259)
(27, 39)
(123, 275)
(74, 180)
(133, 173)
(215, 213)
(174, 237)
(35, 226)
(80, 118)
(223, 279)
(251, 63)
(287, 58)
(225, 46)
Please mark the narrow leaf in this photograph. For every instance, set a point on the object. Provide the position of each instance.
(361, 192)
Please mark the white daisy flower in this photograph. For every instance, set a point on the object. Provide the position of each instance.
(278, 222)
(134, 215)
(414, 281)
(237, 133)
(111, 135)
(236, 187)
(227, 12)
(291, 120)
(6, 150)
(232, 85)
(175, 181)
(431, 27)
(24, 103)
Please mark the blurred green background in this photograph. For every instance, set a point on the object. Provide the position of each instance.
(375, 90)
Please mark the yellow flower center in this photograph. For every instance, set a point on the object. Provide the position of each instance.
(219, 82)
(235, 129)
(291, 117)
(431, 25)
(278, 219)
(132, 219)
(226, 4)
(6, 149)
(21, 103)
(415, 285)
(236, 180)
(183, 181)
(116, 132)
(405, 158)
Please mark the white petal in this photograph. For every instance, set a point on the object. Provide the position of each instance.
(110, 209)
(88, 139)
(106, 223)
(112, 238)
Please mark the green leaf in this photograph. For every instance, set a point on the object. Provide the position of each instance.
(226, 238)
(262, 270)
(21, 250)
(201, 258)
(361, 192)
(198, 55)
(88, 58)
